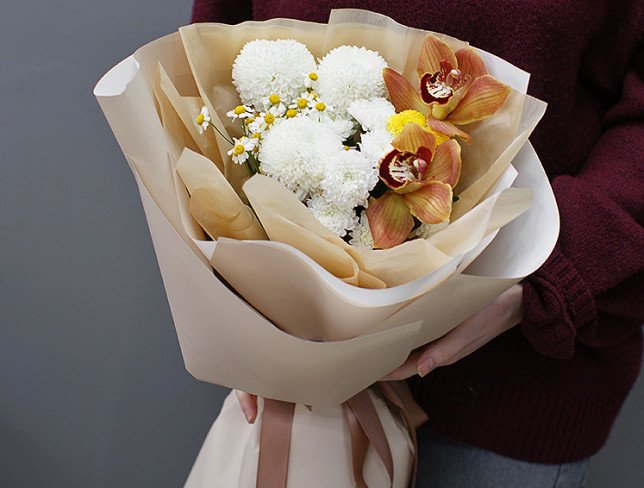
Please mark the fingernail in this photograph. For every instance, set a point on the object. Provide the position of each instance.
(249, 416)
(425, 366)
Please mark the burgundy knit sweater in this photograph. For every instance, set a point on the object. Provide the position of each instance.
(549, 390)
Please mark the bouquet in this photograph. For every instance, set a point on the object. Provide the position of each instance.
(331, 217)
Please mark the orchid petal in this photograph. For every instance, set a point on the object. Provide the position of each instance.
(450, 130)
(404, 95)
(446, 165)
(389, 220)
(412, 137)
(432, 53)
(470, 62)
(432, 204)
(484, 97)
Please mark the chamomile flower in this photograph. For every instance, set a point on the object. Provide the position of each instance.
(297, 151)
(336, 218)
(241, 148)
(203, 120)
(240, 112)
(361, 235)
(271, 67)
(372, 114)
(349, 73)
(311, 80)
(305, 101)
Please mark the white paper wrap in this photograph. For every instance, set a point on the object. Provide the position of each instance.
(320, 454)
(225, 340)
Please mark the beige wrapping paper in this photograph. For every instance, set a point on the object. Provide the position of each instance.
(320, 454)
(217, 328)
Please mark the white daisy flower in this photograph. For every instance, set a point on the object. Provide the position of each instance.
(267, 67)
(361, 236)
(348, 179)
(426, 230)
(336, 218)
(311, 80)
(305, 101)
(203, 120)
(297, 151)
(241, 148)
(349, 73)
(372, 114)
(240, 112)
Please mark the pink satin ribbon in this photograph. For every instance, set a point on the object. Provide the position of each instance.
(365, 428)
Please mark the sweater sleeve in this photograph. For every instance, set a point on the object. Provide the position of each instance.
(590, 290)
(226, 11)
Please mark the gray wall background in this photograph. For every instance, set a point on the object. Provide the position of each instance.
(93, 392)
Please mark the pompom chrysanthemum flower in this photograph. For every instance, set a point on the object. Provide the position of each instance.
(375, 144)
(349, 73)
(361, 236)
(348, 180)
(264, 68)
(296, 152)
(334, 217)
(372, 114)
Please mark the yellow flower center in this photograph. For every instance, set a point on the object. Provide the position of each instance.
(269, 118)
(302, 103)
(250, 120)
(200, 119)
(274, 99)
(257, 135)
(321, 106)
(240, 109)
(239, 149)
(290, 113)
(313, 76)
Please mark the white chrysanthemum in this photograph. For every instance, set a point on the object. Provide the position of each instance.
(348, 180)
(372, 114)
(375, 144)
(426, 230)
(361, 235)
(337, 219)
(265, 67)
(344, 128)
(297, 151)
(349, 73)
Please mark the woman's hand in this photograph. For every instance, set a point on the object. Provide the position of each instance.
(475, 331)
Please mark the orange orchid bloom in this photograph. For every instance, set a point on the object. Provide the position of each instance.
(420, 176)
(455, 88)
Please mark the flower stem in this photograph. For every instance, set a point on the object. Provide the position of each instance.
(222, 134)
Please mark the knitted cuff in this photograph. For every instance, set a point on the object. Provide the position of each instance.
(556, 303)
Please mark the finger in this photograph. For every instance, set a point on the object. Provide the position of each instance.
(446, 350)
(405, 370)
(248, 404)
